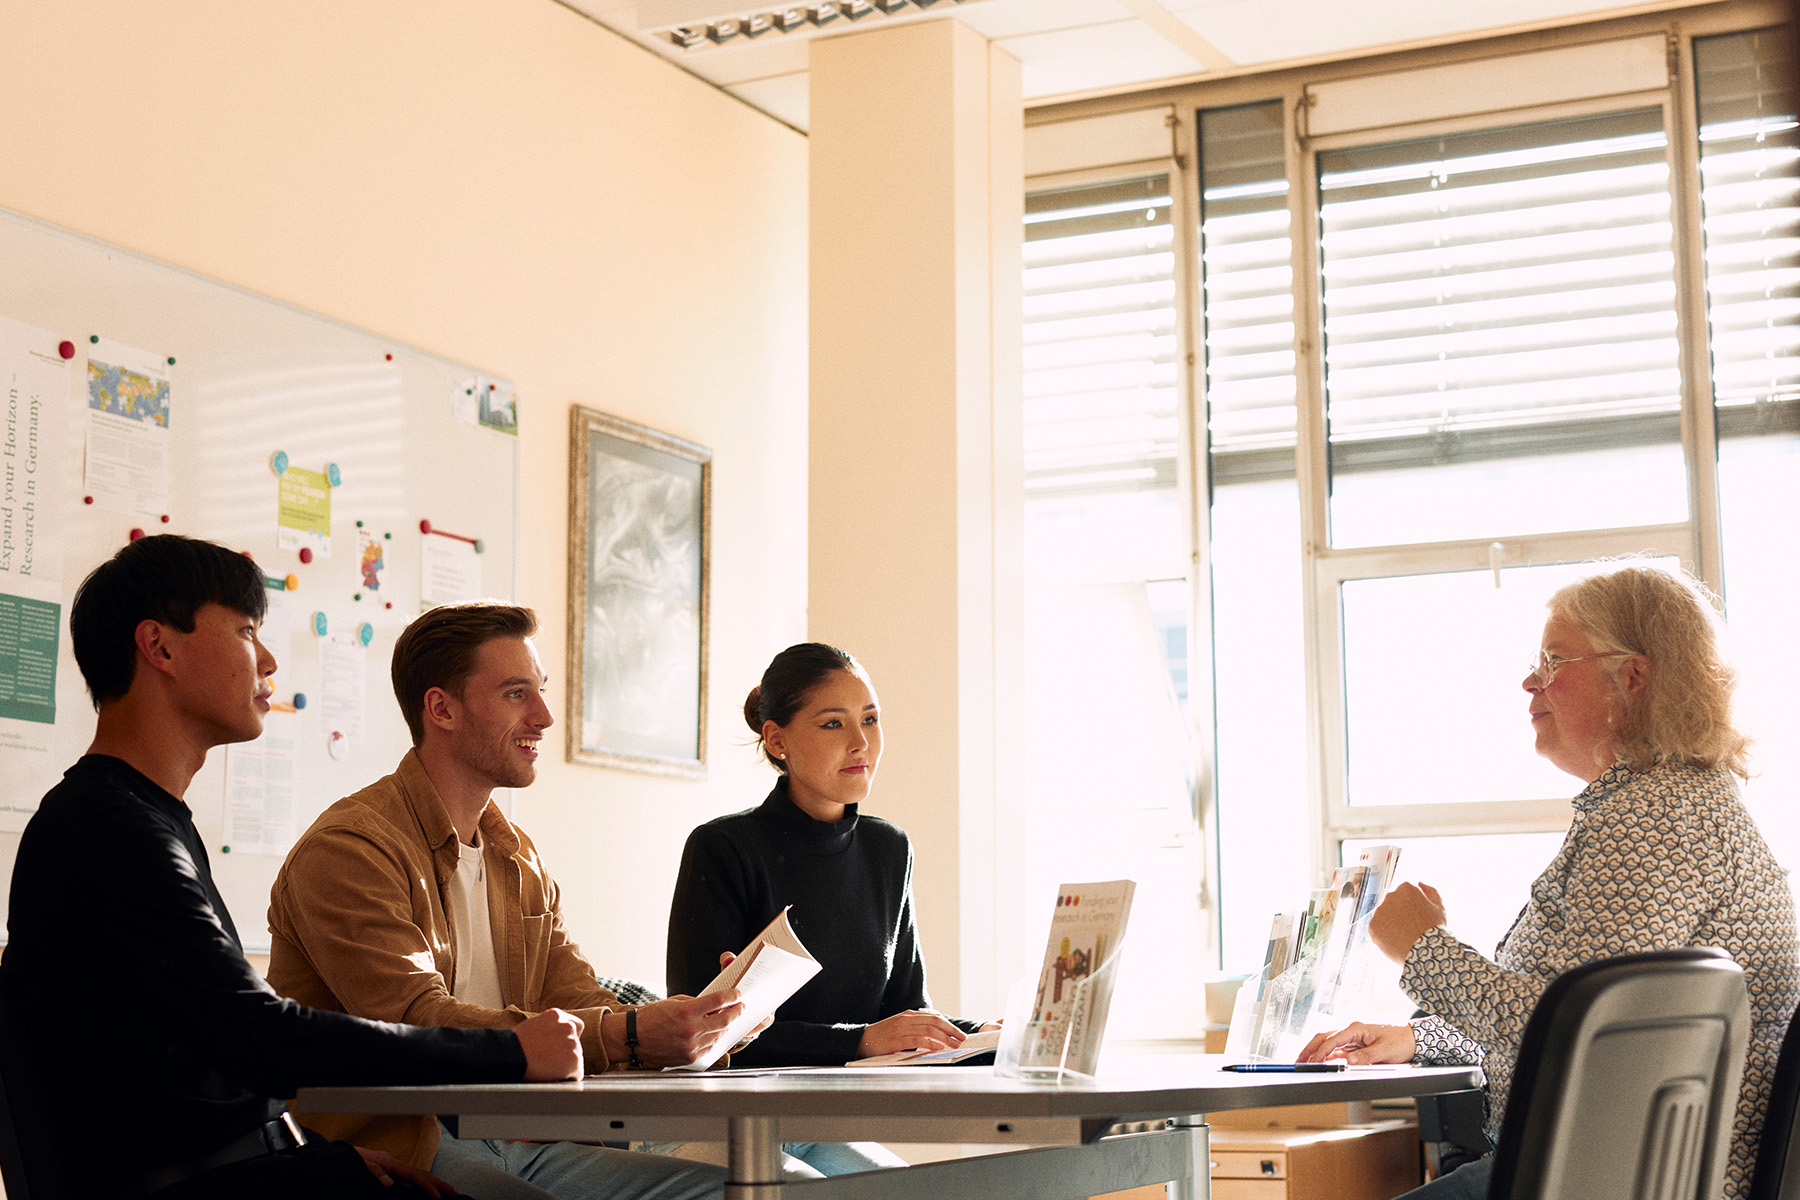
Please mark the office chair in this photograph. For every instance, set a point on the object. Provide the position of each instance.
(1450, 1128)
(1777, 1174)
(1626, 1082)
(31, 1161)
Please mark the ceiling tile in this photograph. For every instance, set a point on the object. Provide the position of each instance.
(1243, 31)
(614, 14)
(996, 19)
(1073, 46)
(1115, 54)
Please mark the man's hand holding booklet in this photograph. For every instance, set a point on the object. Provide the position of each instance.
(771, 968)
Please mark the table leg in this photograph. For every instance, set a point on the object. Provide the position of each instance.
(1198, 1184)
(754, 1146)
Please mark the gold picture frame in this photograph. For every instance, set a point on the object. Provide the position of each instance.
(640, 536)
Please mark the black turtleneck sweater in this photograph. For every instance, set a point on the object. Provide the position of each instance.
(850, 885)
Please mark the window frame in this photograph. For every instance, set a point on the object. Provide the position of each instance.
(1696, 541)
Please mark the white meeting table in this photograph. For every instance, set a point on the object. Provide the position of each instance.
(755, 1111)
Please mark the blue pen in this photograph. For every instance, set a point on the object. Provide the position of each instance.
(1285, 1067)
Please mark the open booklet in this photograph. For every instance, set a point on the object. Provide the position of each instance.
(970, 1054)
(770, 969)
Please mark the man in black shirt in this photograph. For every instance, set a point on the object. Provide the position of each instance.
(177, 1092)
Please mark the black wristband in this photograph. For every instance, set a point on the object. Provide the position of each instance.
(631, 1038)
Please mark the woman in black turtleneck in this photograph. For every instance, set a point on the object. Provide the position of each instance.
(847, 875)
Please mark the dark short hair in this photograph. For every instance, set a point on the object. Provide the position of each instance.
(790, 678)
(166, 578)
(438, 650)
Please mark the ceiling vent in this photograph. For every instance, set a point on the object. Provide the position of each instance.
(701, 24)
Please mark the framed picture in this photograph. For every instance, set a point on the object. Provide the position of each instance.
(640, 523)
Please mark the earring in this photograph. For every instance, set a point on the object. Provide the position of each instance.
(782, 754)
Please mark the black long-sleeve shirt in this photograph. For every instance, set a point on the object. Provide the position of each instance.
(850, 885)
(159, 1041)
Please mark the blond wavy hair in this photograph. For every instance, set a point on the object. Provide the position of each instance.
(1683, 713)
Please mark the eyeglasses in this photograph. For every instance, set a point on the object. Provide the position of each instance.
(1544, 669)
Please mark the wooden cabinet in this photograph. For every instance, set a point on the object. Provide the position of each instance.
(1368, 1162)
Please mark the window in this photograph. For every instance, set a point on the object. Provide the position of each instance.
(1449, 344)
(1112, 779)
(1258, 619)
(1749, 146)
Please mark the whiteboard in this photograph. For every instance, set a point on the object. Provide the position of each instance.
(252, 377)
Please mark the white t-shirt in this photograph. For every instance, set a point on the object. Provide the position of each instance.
(477, 969)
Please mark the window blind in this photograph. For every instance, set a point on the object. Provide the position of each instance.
(1750, 198)
(1247, 281)
(1499, 293)
(1101, 402)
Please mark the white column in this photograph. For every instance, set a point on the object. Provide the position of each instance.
(914, 552)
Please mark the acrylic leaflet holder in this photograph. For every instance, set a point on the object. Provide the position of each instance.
(1272, 1019)
(1057, 1039)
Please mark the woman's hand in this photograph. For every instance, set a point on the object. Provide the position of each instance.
(1361, 1044)
(1403, 918)
(918, 1029)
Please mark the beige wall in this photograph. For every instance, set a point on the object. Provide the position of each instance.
(506, 183)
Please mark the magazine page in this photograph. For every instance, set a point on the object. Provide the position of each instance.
(771, 968)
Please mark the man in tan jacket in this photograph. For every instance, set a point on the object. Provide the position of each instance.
(416, 900)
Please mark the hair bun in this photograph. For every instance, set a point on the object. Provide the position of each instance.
(753, 711)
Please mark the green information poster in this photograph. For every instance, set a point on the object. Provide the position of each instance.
(28, 630)
(303, 516)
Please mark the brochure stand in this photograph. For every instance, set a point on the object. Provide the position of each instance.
(1273, 1018)
(1061, 1050)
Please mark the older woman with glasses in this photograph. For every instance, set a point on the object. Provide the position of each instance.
(1629, 695)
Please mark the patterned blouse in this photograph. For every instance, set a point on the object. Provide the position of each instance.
(1654, 859)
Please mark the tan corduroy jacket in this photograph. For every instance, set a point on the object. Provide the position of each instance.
(360, 924)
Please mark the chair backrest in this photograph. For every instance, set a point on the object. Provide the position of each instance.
(1777, 1174)
(1627, 1081)
(32, 1161)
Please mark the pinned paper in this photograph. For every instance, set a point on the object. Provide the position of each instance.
(342, 670)
(259, 790)
(303, 511)
(129, 409)
(463, 405)
(28, 649)
(371, 559)
(497, 407)
(486, 403)
(449, 571)
(35, 381)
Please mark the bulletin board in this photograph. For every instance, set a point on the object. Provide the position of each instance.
(136, 396)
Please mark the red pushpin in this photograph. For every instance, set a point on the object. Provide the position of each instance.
(136, 534)
(390, 604)
(390, 357)
(165, 518)
(306, 554)
(87, 499)
(424, 526)
(66, 349)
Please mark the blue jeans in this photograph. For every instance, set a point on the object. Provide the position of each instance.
(570, 1171)
(1467, 1182)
